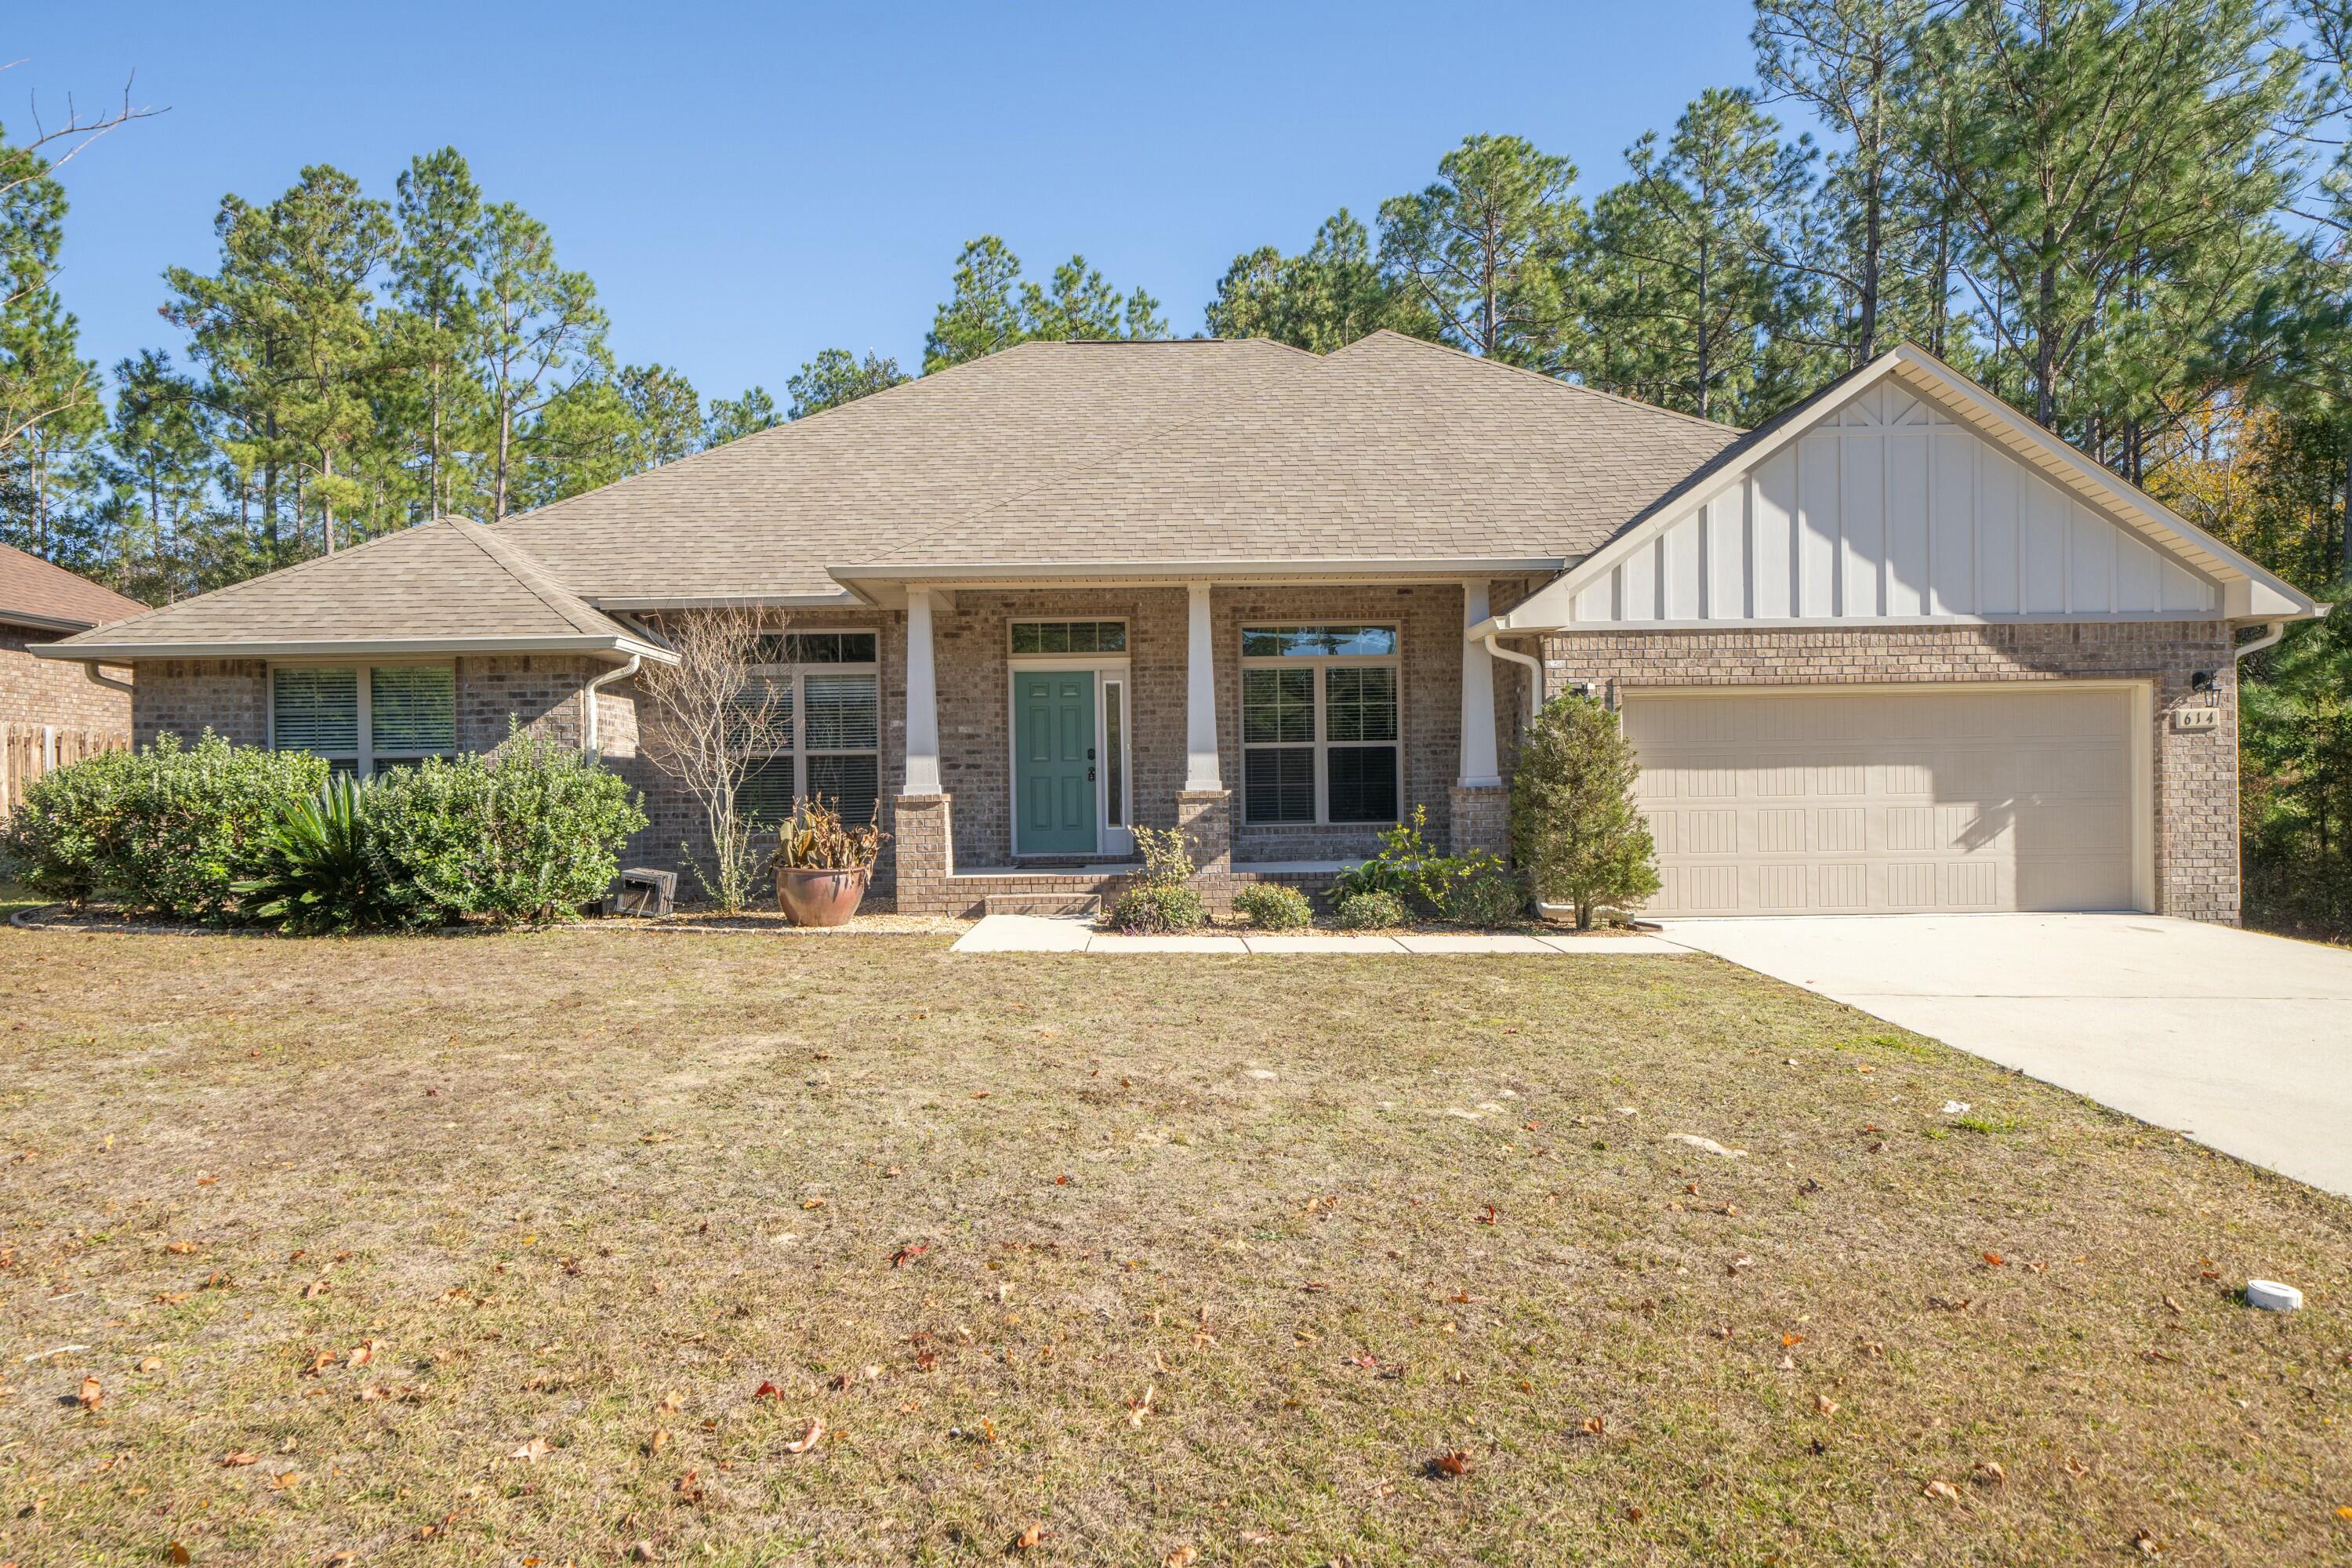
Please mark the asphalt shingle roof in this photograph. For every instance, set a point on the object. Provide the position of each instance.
(48, 595)
(449, 580)
(1082, 454)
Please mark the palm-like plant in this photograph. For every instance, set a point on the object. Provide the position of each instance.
(314, 873)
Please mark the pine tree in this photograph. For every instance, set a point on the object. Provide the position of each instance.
(539, 333)
(732, 418)
(1323, 300)
(49, 409)
(664, 416)
(993, 306)
(1481, 248)
(1687, 297)
(439, 210)
(161, 449)
(835, 377)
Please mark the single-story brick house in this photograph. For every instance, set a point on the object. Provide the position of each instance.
(1898, 650)
(54, 713)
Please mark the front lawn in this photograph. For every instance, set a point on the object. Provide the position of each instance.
(536, 1248)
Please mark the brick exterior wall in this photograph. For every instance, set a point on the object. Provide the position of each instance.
(2196, 784)
(44, 691)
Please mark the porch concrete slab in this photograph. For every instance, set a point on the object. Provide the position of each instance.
(1113, 942)
(1026, 934)
(1347, 942)
(1570, 941)
(1471, 941)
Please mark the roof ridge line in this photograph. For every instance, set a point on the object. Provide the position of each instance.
(1542, 376)
(525, 569)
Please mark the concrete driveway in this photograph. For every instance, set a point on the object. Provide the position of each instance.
(2243, 1042)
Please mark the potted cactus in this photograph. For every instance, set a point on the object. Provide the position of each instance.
(823, 864)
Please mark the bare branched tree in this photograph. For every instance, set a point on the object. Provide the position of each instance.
(706, 719)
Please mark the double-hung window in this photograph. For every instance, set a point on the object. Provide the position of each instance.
(828, 719)
(1319, 724)
(365, 718)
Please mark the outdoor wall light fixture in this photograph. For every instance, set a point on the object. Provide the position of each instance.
(2201, 681)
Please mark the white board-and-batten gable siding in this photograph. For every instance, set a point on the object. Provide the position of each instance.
(1886, 510)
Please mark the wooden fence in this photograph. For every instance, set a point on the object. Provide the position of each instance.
(28, 750)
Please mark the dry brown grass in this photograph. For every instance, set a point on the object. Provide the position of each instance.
(1149, 1254)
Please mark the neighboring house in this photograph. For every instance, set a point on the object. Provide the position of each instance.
(1898, 650)
(53, 713)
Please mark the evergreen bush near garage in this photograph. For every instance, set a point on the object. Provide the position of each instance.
(169, 828)
(1575, 827)
(1271, 906)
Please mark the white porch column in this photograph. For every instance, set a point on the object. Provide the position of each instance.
(922, 698)
(1478, 766)
(1199, 695)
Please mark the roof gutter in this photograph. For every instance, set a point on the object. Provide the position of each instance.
(617, 649)
(68, 624)
(946, 574)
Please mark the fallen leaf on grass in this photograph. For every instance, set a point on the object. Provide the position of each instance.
(316, 1289)
(153, 1364)
(899, 1258)
(175, 1553)
(241, 1457)
(319, 1363)
(1823, 1404)
(671, 1404)
(1942, 1491)
(2149, 1546)
(91, 1395)
(1989, 1472)
(533, 1450)
(643, 1552)
(768, 1391)
(1182, 1557)
(1137, 1409)
(2174, 1305)
(807, 1440)
(658, 1441)
(1595, 1426)
(689, 1488)
(1029, 1537)
(285, 1481)
(343, 1559)
(1453, 1463)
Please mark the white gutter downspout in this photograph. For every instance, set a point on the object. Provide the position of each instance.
(588, 698)
(2277, 630)
(1494, 641)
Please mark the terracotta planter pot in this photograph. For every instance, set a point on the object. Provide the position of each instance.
(813, 896)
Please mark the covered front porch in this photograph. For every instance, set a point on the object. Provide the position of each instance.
(1280, 725)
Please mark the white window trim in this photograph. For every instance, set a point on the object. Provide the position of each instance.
(797, 675)
(363, 759)
(1042, 661)
(1111, 843)
(1321, 664)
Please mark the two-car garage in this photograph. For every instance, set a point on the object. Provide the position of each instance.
(1896, 799)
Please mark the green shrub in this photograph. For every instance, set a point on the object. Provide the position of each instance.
(1409, 871)
(530, 832)
(169, 829)
(316, 870)
(1485, 898)
(1405, 866)
(1368, 911)
(1575, 828)
(1158, 906)
(1157, 898)
(1271, 906)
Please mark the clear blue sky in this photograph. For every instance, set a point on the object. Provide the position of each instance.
(748, 185)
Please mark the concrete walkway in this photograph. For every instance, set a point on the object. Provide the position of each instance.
(1056, 933)
(2243, 1041)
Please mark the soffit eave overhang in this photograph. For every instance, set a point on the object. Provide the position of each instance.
(885, 583)
(617, 650)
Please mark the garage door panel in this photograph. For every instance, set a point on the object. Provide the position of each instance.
(1842, 802)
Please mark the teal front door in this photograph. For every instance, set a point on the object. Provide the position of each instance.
(1054, 762)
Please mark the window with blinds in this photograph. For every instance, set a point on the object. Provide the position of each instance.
(412, 711)
(1319, 724)
(316, 710)
(831, 745)
(362, 718)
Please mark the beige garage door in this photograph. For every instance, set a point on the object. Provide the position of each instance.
(1817, 801)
